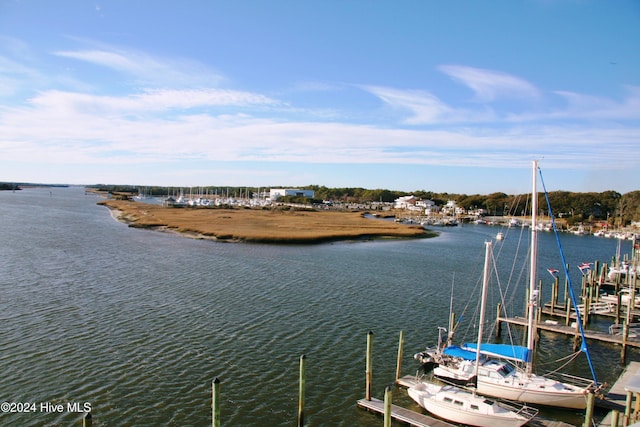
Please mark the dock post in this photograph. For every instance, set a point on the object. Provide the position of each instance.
(554, 296)
(301, 391)
(586, 299)
(625, 334)
(598, 278)
(538, 313)
(627, 409)
(368, 368)
(589, 412)
(615, 416)
(498, 324)
(87, 421)
(400, 350)
(387, 406)
(215, 402)
(618, 308)
(568, 312)
(567, 300)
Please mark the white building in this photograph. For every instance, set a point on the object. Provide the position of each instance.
(450, 208)
(404, 202)
(276, 193)
(429, 206)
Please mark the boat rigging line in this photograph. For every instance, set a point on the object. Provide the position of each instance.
(583, 344)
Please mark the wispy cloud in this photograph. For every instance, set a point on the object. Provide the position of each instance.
(489, 85)
(592, 107)
(182, 115)
(147, 69)
(424, 108)
(149, 101)
(64, 127)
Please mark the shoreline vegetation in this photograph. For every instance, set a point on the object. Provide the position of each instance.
(261, 225)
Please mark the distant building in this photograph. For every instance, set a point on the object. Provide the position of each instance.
(452, 208)
(405, 202)
(429, 207)
(276, 193)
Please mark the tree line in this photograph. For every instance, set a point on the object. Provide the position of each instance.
(618, 209)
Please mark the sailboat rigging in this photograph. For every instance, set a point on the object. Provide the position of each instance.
(489, 365)
(464, 406)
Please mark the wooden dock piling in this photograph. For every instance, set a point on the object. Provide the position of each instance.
(400, 350)
(369, 365)
(387, 406)
(588, 417)
(302, 384)
(215, 402)
(87, 420)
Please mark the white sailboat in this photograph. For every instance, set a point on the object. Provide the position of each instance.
(463, 406)
(460, 406)
(496, 375)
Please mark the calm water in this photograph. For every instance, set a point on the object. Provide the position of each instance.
(137, 323)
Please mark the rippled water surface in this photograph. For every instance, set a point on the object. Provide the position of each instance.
(138, 323)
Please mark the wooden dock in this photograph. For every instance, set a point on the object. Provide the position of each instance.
(617, 395)
(403, 415)
(569, 330)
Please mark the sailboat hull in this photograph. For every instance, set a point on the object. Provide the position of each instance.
(536, 394)
(498, 379)
(457, 405)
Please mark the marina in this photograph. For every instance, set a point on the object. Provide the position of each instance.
(137, 322)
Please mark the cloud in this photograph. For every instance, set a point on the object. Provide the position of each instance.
(147, 69)
(69, 128)
(425, 108)
(489, 85)
(592, 107)
(182, 115)
(149, 102)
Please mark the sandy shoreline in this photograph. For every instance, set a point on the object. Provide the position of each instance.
(263, 226)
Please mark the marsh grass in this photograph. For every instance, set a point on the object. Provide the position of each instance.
(258, 225)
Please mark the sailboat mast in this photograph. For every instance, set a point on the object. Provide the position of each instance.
(533, 294)
(485, 285)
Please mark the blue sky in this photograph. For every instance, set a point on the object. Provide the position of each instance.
(445, 96)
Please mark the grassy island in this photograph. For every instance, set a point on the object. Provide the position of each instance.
(276, 225)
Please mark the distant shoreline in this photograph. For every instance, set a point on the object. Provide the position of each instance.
(260, 225)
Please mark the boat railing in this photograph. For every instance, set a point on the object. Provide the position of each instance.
(510, 405)
(601, 307)
(633, 330)
(520, 408)
(573, 380)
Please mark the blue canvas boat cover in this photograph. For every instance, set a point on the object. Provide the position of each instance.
(455, 351)
(504, 351)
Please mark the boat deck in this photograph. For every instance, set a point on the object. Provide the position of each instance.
(409, 380)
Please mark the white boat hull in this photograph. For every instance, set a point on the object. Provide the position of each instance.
(460, 406)
(517, 385)
(536, 393)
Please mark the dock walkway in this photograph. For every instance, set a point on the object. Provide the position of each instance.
(618, 395)
(569, 330)
(401, 414)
